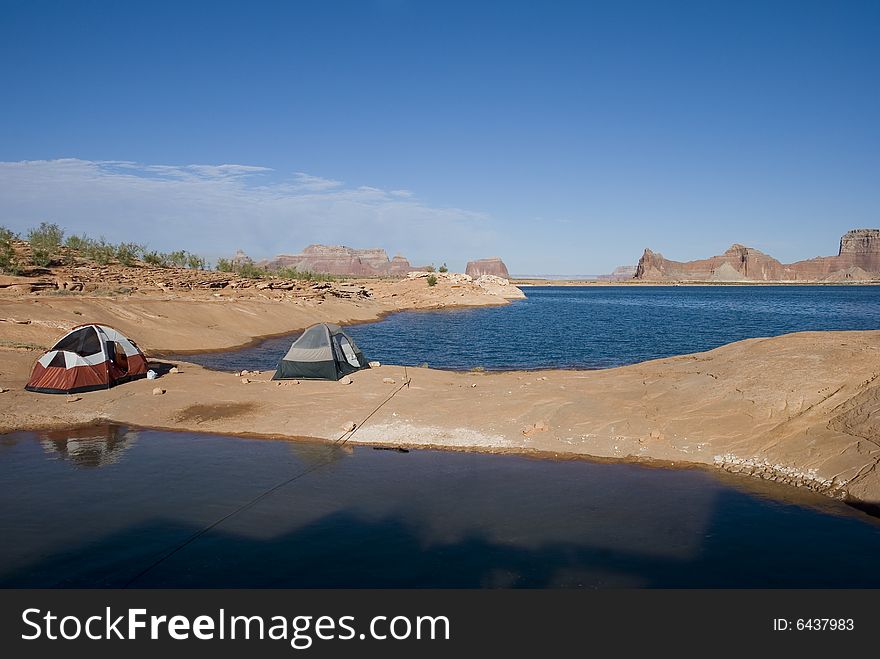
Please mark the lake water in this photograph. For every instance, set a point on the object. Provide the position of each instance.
(591, 327)
(95, 508)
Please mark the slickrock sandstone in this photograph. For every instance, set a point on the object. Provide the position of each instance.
(491, 266)
(341, 260)
(858, 259)
(802, 409)
(497, 286)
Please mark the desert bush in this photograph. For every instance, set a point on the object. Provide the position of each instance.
(224, 265)
(77, 243)
(443, 268)
(8, 261)
(102, 252)
(429, 268)
(99, 251)
(155, 258)
(178, 258)
(195, 262)
(287, 273)
(250, 271)
(45, 241)
(301, 275)
(432, 280)
(128, 253)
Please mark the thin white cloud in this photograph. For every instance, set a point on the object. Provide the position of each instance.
(215, 209)
(224, 171)
(315, 183)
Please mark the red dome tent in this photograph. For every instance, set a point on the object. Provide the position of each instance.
(88, 358)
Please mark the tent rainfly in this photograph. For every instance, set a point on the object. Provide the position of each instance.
(88, 358)
(323, 352)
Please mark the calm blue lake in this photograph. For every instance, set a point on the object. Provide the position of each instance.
(359, 517)
(592, 327)
(96, 507)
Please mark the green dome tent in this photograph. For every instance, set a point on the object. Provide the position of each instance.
(323, 352)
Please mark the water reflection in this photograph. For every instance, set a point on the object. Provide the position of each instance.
(89, 447)
(359, 518)
(311, 453)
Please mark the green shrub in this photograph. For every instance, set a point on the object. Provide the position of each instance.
(224, 265)
(45, 241)
(432, 280)
(8, 261)
(443, 268)
(195, 262)
(429, 268)
(289, 273)
(77, 243)
(178, 258)
(250, 271)
(99, 251)
(128, 253)
(155, 258)
(300, 275)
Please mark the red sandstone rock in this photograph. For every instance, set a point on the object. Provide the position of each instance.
(399, 266)
(491, 266)
(340, 260)
(858, 258)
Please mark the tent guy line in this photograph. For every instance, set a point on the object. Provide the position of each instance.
(340, 441)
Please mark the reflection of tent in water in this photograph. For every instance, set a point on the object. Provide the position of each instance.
(95, 446)
(323, 352)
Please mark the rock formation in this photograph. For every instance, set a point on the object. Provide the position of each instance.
(240, 259)
(399, 266)
(858, 259)
(340, 260)
(620, 273)
(491, 266)
(492, 284)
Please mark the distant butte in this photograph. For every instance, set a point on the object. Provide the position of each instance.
(620, 273)
(341, 260)
(858, 259)
(491, 266)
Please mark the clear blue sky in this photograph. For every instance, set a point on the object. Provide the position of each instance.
(565, 137)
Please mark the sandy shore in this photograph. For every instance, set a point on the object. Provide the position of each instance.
(201, 320)
(802, 409)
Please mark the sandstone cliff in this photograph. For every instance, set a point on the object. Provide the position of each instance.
(340, 260)
(858, 259)
(620, 273)
(491, 266)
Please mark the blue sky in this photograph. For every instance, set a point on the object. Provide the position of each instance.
(564, 137)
